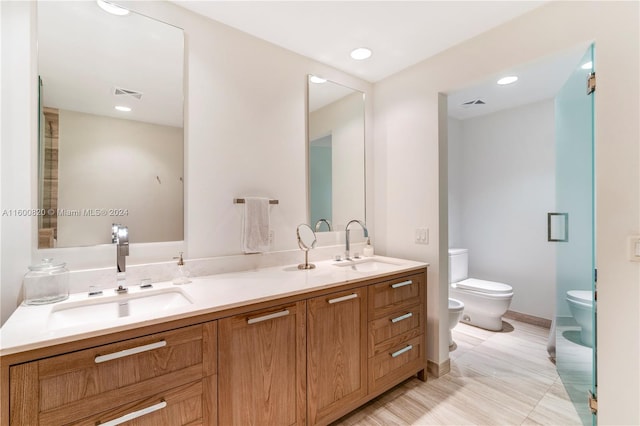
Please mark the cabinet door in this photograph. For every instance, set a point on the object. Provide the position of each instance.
(262, 367)
(336, 354)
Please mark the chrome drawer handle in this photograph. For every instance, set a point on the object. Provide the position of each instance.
(268, 317)
(343, 298)
(402, 317)
(128, 352)
(401, 351)
(135, 414)
(402, 284)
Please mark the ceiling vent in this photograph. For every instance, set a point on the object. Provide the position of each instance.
(473, 102)
(119, 91)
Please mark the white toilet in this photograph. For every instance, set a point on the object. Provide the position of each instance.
(581, 306)
(484, 301)
(456, 308)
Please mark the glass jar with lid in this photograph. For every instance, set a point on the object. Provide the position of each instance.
(46, 282)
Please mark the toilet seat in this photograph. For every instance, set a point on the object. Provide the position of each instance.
(484, 287)
(584, 297)
(455, 305)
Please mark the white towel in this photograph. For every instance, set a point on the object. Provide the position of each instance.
(255, 237)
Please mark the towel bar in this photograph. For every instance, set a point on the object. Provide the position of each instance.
(241, 201)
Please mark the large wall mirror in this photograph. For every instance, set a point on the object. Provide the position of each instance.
(336, 155)
(111, 145)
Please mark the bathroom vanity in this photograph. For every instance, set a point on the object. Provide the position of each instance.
(272, 346)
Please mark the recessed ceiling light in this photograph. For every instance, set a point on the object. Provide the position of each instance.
(123, 108)
(587, 65)
(361, 53)
(317, 80)
(507, 80)
(112, 8)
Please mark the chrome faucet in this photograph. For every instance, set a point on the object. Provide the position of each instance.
(347, 252)
(120, 236)
(320, 222)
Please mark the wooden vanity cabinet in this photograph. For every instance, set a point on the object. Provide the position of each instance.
(162, 378)
(308, 359)
(262, 359)
(336, 354)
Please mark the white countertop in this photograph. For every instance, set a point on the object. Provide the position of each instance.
(30, 327)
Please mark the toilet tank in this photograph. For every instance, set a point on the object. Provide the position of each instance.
(458, 265)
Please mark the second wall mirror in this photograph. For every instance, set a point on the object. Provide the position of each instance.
(336, 171)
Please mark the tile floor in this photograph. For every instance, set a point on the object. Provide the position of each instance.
(496, 378)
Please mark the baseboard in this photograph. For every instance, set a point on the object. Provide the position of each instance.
(529, 319)
(437, 370)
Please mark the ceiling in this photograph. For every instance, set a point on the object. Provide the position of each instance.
(400, 33)
(537, 81)
(96, 52)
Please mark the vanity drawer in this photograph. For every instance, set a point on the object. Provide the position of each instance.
(398, 326)
(396, 363)
(184, 405)
(79, 384)
(394, 295)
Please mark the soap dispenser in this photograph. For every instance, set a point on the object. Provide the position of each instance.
(367, 251)
(182, 277)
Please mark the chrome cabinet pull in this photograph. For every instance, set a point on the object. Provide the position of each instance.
(402, 284)
(268, 317)
(135, 414)
(402, 317)
(401, 351)
(128, 352)
(343, 298)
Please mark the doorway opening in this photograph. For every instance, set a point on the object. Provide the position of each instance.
(508, 170)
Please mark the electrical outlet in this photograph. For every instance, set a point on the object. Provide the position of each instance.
(421, 236)
(271, 237)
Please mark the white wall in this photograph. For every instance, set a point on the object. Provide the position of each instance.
(408, 162)
(17, 155)
(109, 163)
(344, 120)
(504, 185)
(245, 133)
(456, 180)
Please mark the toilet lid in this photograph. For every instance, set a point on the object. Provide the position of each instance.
(582, 296)
(481, 286)
(457, 251)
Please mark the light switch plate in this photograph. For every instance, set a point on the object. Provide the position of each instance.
(422, 236)
(633, 248)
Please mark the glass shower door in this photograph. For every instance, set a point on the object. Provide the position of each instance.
(573, 229)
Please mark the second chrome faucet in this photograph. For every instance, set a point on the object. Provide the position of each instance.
(347, 250)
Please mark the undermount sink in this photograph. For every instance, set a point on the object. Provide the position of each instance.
(368, 264)
(101, 309)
